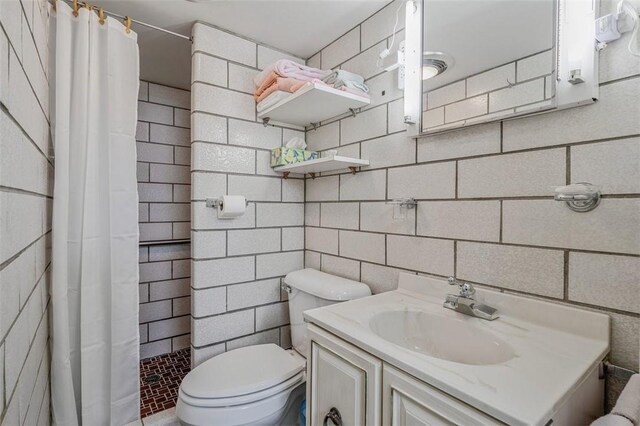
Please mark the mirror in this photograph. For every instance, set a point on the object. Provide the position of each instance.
(485, 60)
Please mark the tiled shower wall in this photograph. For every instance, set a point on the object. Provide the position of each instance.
(486, 213)
(164, 188)
(237, 264)
(26, 190)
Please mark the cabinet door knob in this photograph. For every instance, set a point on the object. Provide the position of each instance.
(334, 416)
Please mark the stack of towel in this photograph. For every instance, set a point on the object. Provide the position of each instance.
(626, 412)
(278, 80)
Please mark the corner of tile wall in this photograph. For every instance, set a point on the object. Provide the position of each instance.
(237, 264)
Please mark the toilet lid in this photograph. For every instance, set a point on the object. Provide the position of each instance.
(241, 371)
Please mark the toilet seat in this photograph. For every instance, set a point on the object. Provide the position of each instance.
(242, 386)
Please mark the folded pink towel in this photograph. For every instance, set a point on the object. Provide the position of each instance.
(628, 403)
(285, 84)
(290, 69)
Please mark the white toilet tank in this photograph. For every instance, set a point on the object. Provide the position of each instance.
(313, 289)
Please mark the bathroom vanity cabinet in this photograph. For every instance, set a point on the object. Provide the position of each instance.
(360, 389)
(401, 358)
(363, 390)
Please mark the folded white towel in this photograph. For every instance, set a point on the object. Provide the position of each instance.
(628, 403)
(612, 420)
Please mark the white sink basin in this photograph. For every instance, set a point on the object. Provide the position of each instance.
(441, 337)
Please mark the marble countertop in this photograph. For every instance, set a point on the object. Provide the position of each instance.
(555, 347)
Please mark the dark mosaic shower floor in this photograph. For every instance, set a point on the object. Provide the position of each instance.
(160, 379)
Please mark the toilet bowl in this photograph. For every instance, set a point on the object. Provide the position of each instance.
(262, 384)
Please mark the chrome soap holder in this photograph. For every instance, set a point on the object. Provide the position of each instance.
(580, 197)
(401, 205)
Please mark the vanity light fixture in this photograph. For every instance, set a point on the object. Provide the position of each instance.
(435, 63)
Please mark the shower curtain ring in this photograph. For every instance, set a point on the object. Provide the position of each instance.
(101, 15)
(127, 24)
(75, 8)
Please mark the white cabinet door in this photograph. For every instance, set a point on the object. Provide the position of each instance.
(341, 378)
(407, 401)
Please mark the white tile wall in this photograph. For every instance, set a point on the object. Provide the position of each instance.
(341, 267)
(427, 181)
(363, 246)
(223, 45)
(612, 227)
(322, 240)
(236, 279)
(524, 269)
(363, 186)
(377, 217)
(604, 280)
(421, 254)
(464, 220)
(26, 184)
(340, 215)
(392, 150)
(366, 125)
(614, 165)
(530, 173)
(342, 49)
(380, 25)
(253, 294)
(165, 193)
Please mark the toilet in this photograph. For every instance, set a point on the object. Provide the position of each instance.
(263, 384)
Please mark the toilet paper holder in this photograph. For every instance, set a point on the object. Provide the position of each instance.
(215, 202)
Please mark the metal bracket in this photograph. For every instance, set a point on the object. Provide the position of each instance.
(265, 121)
(215, 202)
(354, 111)
(615, 371)
(315, 125)
(313, 175)
(284, 286)
(409, 203)
(285, 174)
(353, 169)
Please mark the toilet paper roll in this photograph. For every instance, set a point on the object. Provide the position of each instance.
(230, 206)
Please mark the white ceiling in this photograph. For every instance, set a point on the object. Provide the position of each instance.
(299, 27)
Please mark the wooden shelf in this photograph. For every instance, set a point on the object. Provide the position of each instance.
(313, 103)
(324, 164)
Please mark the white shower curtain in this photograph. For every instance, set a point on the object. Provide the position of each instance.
(94, 290)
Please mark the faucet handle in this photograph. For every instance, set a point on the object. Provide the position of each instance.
(466, 289)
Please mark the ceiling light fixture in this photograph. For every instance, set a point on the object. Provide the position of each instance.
(435, 63)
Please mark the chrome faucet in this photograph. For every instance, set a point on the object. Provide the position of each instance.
(465, 303)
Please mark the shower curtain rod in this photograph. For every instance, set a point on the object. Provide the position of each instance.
(115, 15)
